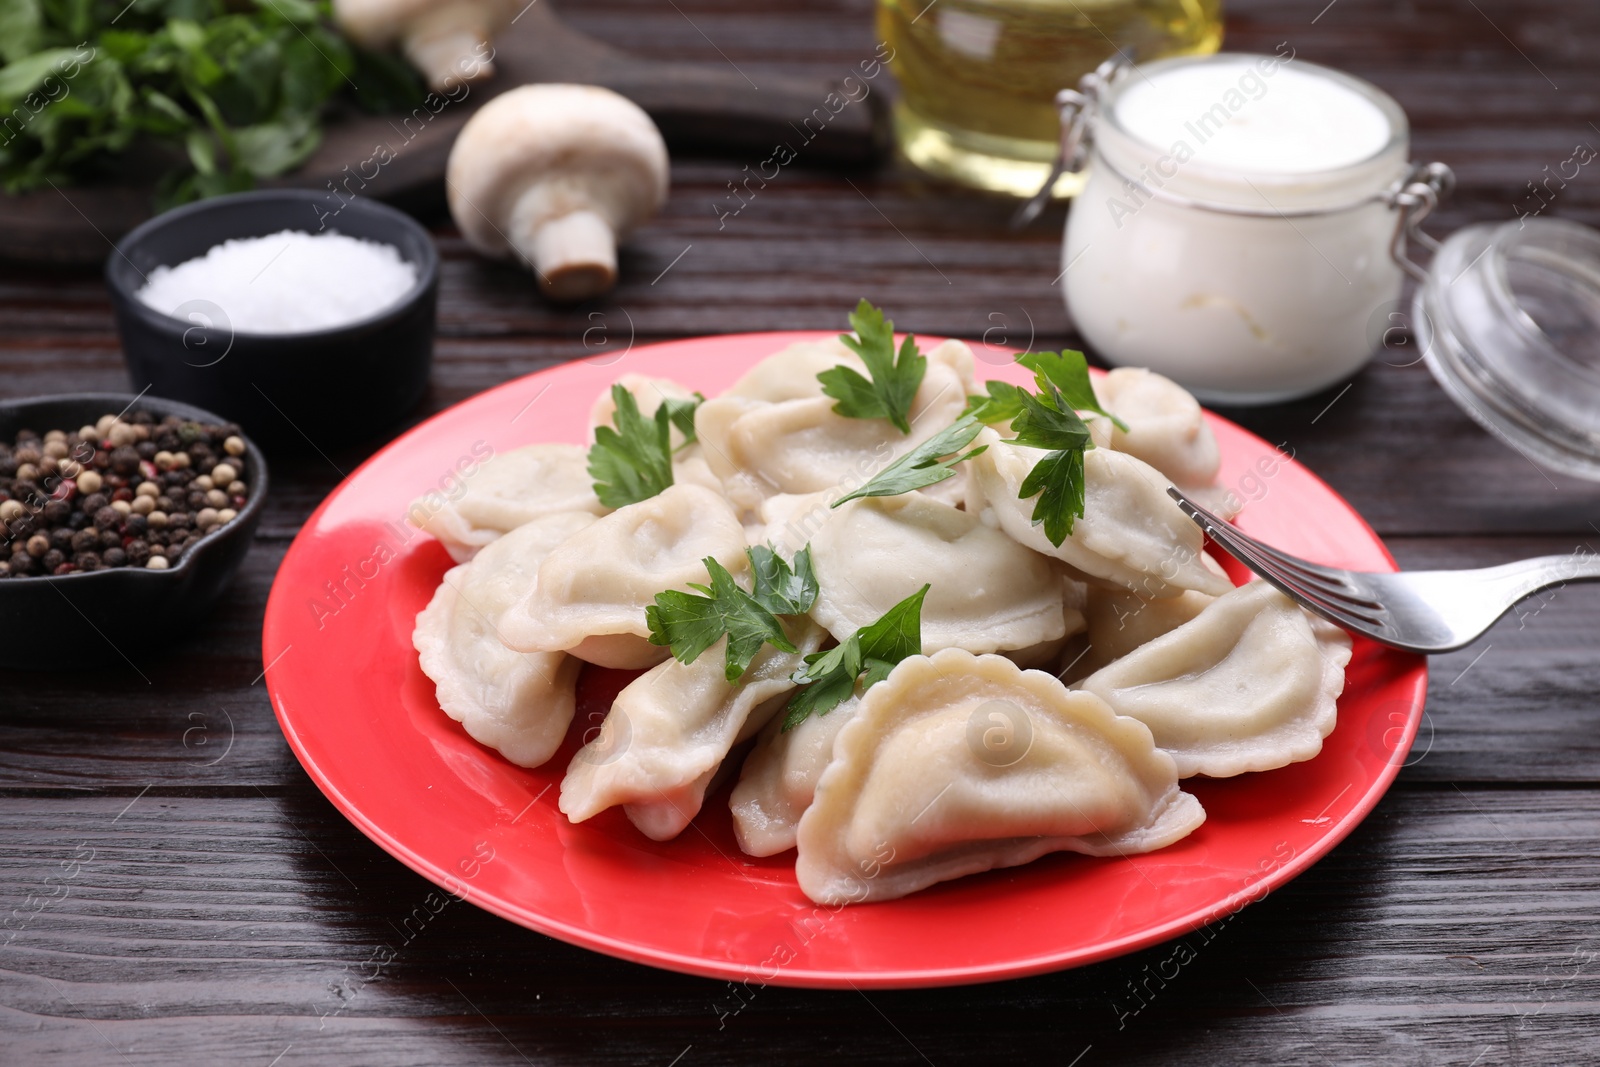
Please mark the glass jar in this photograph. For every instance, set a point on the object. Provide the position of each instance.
(1243, 220)
(978, 78)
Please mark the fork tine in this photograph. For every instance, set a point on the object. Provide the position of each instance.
(1350, 616)
(1213, 522)
(1333, 580)
(1330, 581)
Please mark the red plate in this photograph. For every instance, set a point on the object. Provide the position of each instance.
(362, 718)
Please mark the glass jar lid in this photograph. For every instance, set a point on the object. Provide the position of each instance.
(1509, 323)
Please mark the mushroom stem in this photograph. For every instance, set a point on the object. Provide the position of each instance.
(448, 57)
(574, 255)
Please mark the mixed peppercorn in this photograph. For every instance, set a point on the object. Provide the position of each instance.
(133, 491)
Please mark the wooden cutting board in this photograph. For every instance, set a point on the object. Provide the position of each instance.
(402, 157)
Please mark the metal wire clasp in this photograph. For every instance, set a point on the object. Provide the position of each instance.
(1078, 107)
(1414, 197)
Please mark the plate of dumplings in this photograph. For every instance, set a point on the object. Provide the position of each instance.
(834, 660)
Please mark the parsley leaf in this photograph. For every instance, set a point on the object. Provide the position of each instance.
(869, 655)
(1058, 479)
(1003, 403)
(1068, 372)
(1048, 421)
(922, 465)
(780, 588)
(895, 380)
(681, 413)
(634, 461)
(689, 624)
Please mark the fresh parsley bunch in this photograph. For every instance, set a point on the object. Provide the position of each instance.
(213, 93)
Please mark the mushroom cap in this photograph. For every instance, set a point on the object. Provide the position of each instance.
(584, 147)
(380, 23)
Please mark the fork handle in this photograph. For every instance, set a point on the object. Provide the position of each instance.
(1527, 577)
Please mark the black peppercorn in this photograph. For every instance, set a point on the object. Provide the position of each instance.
(135, 524)
(56, 512)
(175, 552)
(114, 557)
(78, 520)
(137, 552)
(178, 521)
(110, 539)
(93, 503)
(196, 499)
(86, 539)
(107, 518)
(166, 503)
(87, 561)
(52, 559)
(124, 460)
(146, 449)
(23, 564)
(61, 538)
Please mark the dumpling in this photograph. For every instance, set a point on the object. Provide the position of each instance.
(957, 763)
(505, 491)
(760, 448)
(988, 593)
(791, 373)
(1131, 534)
(1119, 622)
(518, 703)
(589, 595)
(670, 730)
(1249, 684)
(779, 779)
(1166, 427)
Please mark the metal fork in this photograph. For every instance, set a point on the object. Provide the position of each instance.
(1418, 611)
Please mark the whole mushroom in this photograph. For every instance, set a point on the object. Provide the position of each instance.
(557, 174)
(447, 40)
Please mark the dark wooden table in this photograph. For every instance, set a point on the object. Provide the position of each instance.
(174, 889)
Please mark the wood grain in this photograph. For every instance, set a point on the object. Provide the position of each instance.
(182, 926)
(229, 913)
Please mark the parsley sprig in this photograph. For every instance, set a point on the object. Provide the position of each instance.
(928, 464)
(1048, 419)
(689, 624)
(633, 462)
(895, 380)
(868, 655)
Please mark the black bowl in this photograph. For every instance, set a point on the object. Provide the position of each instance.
(108, 616)
(299, 391)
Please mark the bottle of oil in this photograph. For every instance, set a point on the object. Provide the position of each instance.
(978, 78)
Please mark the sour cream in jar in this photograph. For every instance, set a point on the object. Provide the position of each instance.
(1235, 230)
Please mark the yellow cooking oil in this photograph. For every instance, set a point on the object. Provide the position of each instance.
(978, 78)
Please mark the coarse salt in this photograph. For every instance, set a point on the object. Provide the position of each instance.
(286, 282)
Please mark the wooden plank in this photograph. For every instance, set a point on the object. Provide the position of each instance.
(1450, 926)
